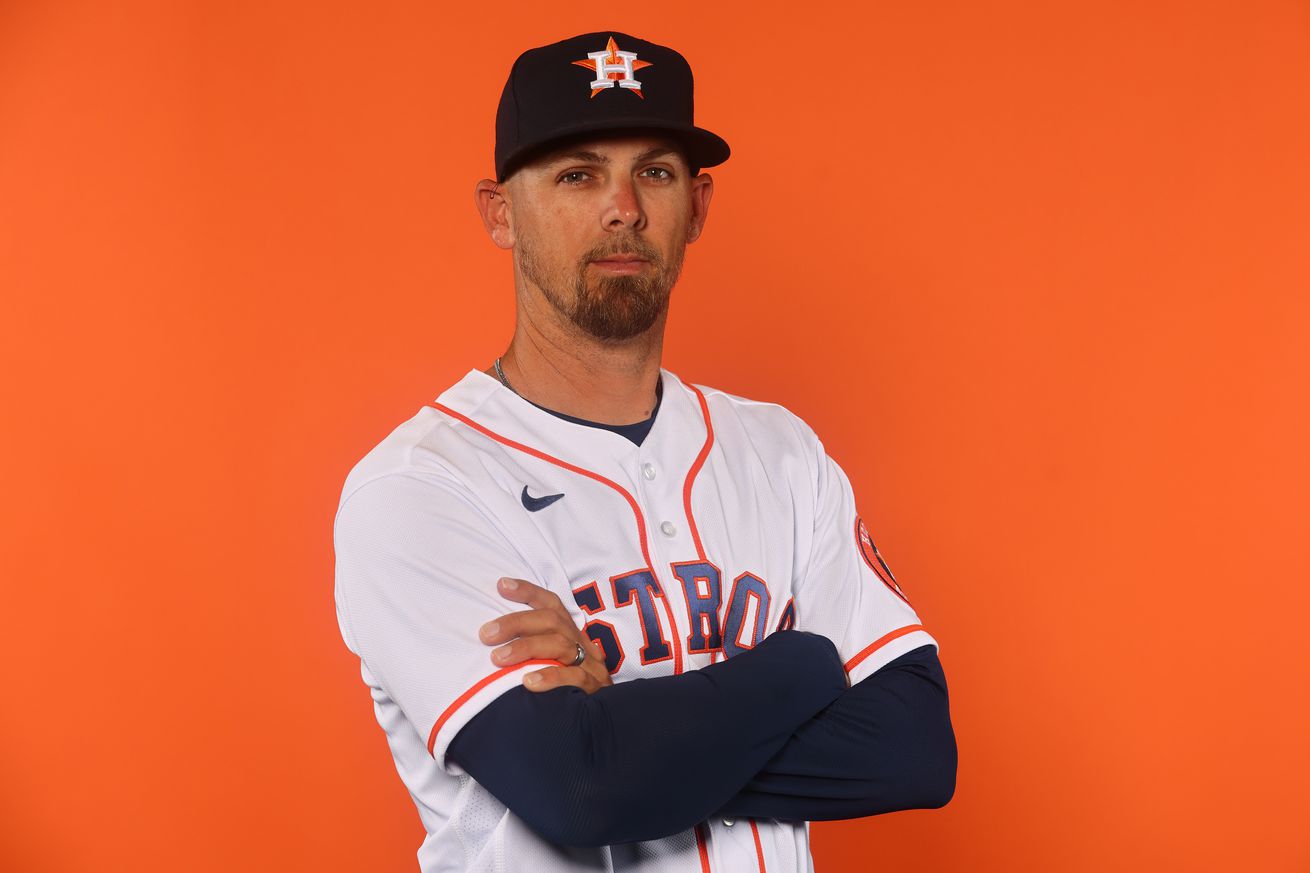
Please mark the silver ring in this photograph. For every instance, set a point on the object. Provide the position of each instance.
(582, 656)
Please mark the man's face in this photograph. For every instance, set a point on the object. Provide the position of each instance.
(600, 228)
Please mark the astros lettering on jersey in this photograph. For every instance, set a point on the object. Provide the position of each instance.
(727, 523)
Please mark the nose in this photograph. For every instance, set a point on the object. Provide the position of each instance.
(623, 211)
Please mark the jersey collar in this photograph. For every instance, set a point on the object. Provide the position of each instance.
(678, 429)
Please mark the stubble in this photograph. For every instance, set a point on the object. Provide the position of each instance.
(609, 308)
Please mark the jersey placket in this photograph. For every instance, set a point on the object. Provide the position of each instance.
(664, 491)
(667, 464)
(660, 500)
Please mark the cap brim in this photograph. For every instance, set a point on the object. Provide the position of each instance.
(703, 149)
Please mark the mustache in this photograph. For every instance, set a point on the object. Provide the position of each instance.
(630, 245)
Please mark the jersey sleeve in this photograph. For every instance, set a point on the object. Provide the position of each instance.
(416, 571)
(847, 592)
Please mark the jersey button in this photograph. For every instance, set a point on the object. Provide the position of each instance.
(648, 470)
(668, 529)
(727, 822)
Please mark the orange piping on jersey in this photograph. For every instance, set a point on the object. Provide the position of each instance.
(691, 480)
(703, 850)
(464, 698)
(695, 469)
(880, 642)
(636, 510)
(759, 849)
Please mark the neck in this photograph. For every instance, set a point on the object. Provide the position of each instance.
(558, 367)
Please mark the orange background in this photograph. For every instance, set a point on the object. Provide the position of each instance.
(1036, 272)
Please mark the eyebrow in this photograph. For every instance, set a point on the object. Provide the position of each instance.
(658, 151)
(583, 157)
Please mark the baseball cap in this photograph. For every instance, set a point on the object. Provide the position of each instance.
(598, 83)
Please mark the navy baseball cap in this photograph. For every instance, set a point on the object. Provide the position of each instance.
(598, 83)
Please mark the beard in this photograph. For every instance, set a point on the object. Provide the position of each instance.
(610, 308)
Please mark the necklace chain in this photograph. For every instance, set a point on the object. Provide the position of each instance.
(500, 374)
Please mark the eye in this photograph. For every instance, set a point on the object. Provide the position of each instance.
(574, 177)
(661, 174)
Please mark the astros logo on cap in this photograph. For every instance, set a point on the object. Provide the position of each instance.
(613, 66)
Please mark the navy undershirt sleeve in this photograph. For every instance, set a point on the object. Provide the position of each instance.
(644, 759)
(884, 745)
(651, 757)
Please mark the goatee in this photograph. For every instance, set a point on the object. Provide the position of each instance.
(610, 308)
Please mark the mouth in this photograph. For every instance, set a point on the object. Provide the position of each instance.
(621, 263)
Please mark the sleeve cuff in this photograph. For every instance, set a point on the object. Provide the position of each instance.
(888, 647)
(470, 703)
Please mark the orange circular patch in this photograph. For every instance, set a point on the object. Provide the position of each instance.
(869, 552)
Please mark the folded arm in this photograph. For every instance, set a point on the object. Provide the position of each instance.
(884, 745)
(647, 758)
(772, 733)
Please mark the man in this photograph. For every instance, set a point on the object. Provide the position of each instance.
(713, 652)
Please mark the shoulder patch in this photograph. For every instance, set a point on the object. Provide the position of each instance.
(869, 552)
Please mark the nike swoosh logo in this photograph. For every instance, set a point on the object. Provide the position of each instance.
(536, 504)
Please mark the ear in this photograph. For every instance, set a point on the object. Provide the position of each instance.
(702, 189)
(489, 196)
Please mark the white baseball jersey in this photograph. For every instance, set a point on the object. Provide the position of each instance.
(727, 523)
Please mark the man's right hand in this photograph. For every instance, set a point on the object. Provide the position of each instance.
(545, 631)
